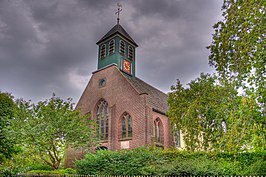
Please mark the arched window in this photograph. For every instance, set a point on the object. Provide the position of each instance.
(130, 52)
(122, 47)
(177, 138)
(158, 131)
(154, 131)
(103, 51)
(102, 117)
(126, 123)
(111, 47)
(101, 148)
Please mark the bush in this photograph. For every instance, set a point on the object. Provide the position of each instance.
(45, 172)
(68, 171)
(5, 171)
(257, 168)
(123, 162)
(170, 162)
(194, 166)
(40, 166)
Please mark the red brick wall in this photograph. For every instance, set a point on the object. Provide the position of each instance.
(167, 134)
(121, 97)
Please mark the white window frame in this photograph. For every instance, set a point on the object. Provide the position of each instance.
(123, 53)
(130, 52)
(104, 45)
(113, 51)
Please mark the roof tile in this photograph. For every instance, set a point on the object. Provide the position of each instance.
(156, 98)
(117, 29)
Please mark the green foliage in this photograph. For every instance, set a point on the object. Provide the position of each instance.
(213, 116)
(183, 166)
(40, 166)
(24, 161)
(171, 162)
(68, 171)
(7, 143)
(238, 46)
(50, 126)
(45, 172)
(153, 161)
(116, 163)
(258, 167)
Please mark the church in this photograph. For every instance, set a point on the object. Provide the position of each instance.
(129, 112)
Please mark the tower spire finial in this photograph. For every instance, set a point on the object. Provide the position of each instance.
(119, 9)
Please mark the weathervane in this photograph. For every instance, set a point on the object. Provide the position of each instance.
(118, 11)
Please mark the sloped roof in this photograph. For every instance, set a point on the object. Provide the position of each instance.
(117, 29)
(156, 98)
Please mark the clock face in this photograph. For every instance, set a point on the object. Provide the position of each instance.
(127, 66)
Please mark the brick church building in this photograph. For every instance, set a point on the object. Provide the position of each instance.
(129, 112)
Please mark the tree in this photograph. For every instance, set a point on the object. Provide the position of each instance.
(51, 126)
(7, 110)
(213, 116)
(238, 46)
(211, 112)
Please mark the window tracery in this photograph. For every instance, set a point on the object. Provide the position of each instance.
(102, 118)
(126, 123)
(157, 131)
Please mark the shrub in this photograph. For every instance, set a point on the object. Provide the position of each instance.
(123, 162)
(41, 166)
(193, 166)
(60, 172)
(68, 171)
(257, 168)
(170, 162)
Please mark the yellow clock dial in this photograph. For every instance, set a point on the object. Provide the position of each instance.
(127, 66)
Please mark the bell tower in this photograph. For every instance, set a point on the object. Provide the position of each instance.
(117, 47)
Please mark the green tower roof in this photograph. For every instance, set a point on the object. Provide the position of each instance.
(117, 29)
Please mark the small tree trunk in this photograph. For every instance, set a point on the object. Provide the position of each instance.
(56, 164)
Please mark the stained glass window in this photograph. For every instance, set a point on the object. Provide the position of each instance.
(157, 131)
(177, 138)
(126, 126)
(102, 118)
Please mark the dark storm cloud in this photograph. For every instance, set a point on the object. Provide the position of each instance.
(49, 46)
(43, 42)
(177, 41)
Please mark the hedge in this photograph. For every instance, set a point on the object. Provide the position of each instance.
(170, 162)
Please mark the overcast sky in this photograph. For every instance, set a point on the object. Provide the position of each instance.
(48, 46)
